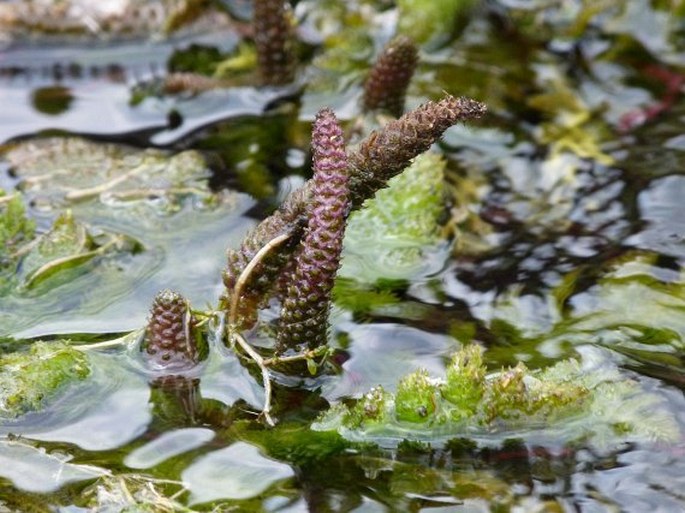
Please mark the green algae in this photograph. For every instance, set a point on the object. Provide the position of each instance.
(398, 231)
(16, 232)
(29, 381)
(568, 399)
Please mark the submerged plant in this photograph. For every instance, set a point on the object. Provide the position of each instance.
(16, 233)
(386, 85)
(15, 228)
(28, 381)
(304, 316)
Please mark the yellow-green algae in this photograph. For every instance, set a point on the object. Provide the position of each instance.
(597, 403)
(29, 380)
(393, 234)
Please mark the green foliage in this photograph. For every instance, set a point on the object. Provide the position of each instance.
(431, 21)
(297, 444)
(572, 400)
(396, 231)
(361, 299)
(16, 230)
(66, 244)
(348, 45)
(415, 398)
(195, 59)
(29, 380)
(463, 382)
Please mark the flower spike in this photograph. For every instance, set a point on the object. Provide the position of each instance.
(386, 86)
(304, 315)
(386, 152)
(275, 41)
(382, 155)
(169, 343)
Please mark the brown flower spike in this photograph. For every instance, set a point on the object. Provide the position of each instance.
(275, 41)
(304, 315)
(386, 86)
(169, 343)
(386, 152)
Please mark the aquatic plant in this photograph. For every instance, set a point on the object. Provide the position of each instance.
(30, 380)
(381, 156)
(387, 151)
(574, 399)
(274, 38)
(16, 230)
(430, 22)
(170, 341)
(304, 315)
(404, 221)
(386, 85)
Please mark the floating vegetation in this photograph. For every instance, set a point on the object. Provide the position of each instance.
(571, 400)
(404, 221)
(30, 380)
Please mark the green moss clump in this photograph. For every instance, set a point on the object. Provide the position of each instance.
(507, 397)
(568, 399)
(375, 406)
(465, 382)
(29, 380)
(415, 400)
(15, 228)
(393, 235)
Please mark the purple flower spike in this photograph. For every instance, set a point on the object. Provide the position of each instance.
(304, 315)
(379, 157)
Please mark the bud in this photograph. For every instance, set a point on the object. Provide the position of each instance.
(169, 343)
(386, 86)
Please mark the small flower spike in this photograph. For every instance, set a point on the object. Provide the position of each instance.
(169, 343)
(274, 38)
(304, 314)
(386, 86)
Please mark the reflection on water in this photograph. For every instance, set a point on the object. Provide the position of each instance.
(568, 203)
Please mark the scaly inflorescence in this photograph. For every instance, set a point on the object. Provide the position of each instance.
(386, 152)
(382, 155)
(169, 343)
(304, 315)
(275, 41)
(386, 85)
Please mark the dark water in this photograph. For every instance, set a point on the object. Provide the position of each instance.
(570, 243)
